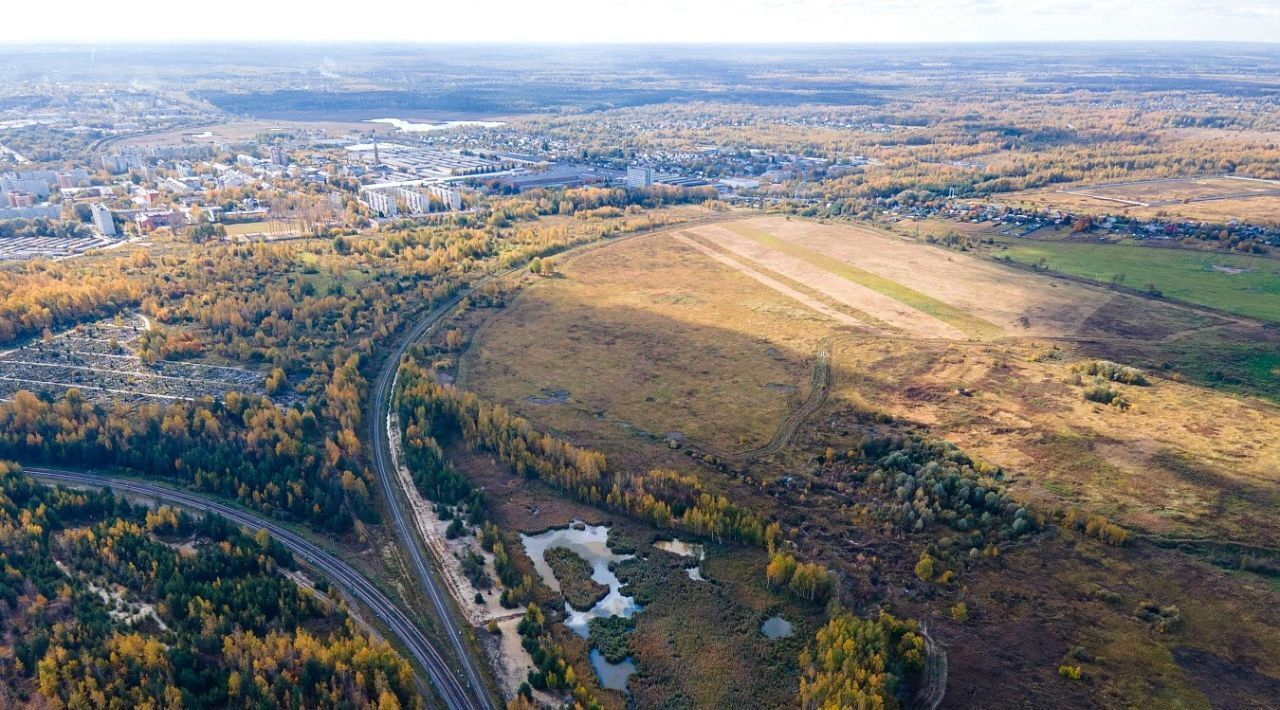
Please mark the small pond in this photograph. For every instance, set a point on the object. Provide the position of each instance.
(776, 627)
(612, 675)
(685, 549)
(591, 542)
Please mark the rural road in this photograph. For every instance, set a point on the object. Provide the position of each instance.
(380, 400)
(819, 388)
(339, 572)
(933, 685)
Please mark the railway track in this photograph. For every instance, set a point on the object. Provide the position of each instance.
(446, 682)
(388, 483)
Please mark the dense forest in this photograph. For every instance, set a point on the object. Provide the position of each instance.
(269, 458)
(313, 312)
(105, 604)
(860, 663)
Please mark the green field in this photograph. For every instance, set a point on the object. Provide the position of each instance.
(273, 227)
(1195, 277)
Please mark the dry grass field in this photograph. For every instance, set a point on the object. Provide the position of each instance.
(649, 340)
(1205, 198)
(1151, 192)
(924, 291)
(268, 228)
(1182, 461)
(710, 332)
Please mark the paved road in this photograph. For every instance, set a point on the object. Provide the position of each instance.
(451, 689)
(387, 479)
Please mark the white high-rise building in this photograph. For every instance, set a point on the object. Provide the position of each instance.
(380, 202)
(415, 202)
(451, 198)
(639, 176)
(102, 219)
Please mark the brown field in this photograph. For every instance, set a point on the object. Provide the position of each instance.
(1211, 199)
(1153, 192)
(1182, 461)
(274, 228)
(648, 340)
(710, 332)
(921, 290)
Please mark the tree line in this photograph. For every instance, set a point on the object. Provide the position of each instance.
(435, 412)
(272, 459)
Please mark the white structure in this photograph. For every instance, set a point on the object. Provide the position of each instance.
(34, 185)
(418, 199)
(451, 197)
(381, 202)
(638, 176)
(175, 186)
(34, 212)
(102, 219)
(415, 202)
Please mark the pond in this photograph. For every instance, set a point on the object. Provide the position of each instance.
(685, 549)
(612, 675)
(591, 543)
(776, 627)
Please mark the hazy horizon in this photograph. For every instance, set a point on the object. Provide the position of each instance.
(663, 21)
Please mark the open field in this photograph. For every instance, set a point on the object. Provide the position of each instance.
(1151, 193)
(1247, 285)
(1183, 460)
(1213, 198)
(651, 340)
(268, 228)
(710, 334)
(924, 291)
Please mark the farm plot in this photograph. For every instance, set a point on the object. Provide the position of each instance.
(101, 360)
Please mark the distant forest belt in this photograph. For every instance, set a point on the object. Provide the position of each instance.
(971, 325)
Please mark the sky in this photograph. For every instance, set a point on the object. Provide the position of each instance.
(616, 21)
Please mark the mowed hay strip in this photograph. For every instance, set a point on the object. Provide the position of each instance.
(971, 325)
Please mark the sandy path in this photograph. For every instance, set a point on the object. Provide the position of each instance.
(508, 658)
